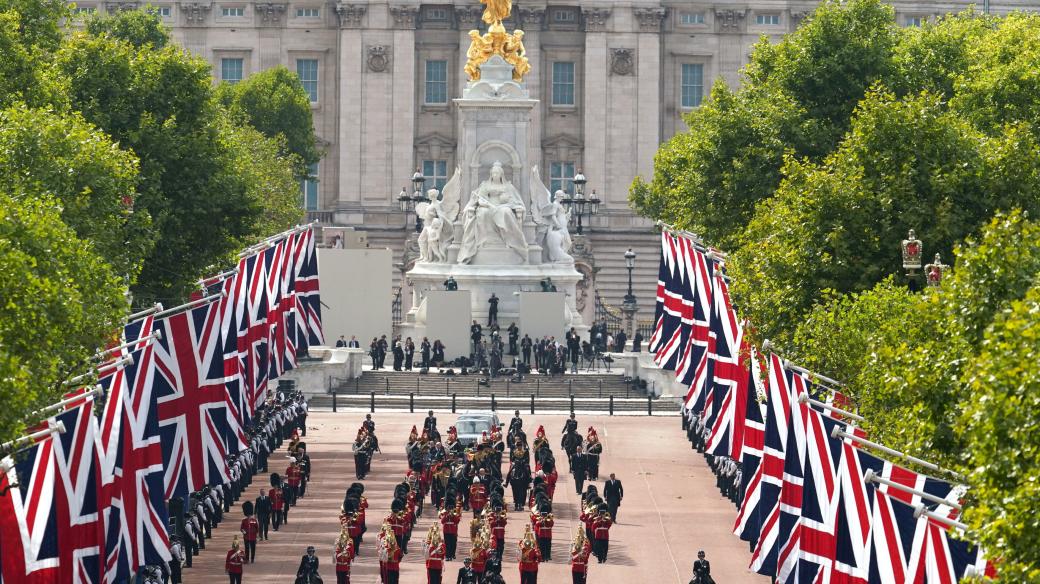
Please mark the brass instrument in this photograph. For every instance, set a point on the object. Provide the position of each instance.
(579, 539)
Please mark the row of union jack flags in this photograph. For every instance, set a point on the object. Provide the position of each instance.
(809, 510)
(89, 505)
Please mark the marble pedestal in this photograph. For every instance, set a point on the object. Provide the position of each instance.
(505, 281)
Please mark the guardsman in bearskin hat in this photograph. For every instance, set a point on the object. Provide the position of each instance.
(279, 510)
(250, 528)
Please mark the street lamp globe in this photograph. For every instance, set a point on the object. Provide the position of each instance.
(630, 259)
(417, 181)
(579, 183)
(593, 203)
(403, 199)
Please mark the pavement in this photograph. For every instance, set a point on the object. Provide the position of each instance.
(671, 508)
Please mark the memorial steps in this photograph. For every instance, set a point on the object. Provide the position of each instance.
(406, 391)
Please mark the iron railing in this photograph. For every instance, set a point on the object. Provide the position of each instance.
(611, 315)
(323, 217)
(395, 305)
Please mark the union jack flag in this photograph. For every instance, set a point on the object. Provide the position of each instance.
(275, 266)
(239, 404)
(746, 525)
(81, 531)
(308, 289)
(133, 505)
(780, 483)
(695, 365)
(666, 339)
(189, 387)
(29, 518)
(253, 331)
(731, 378)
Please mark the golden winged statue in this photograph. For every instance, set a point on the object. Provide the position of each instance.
(496, 42)
(496, 11)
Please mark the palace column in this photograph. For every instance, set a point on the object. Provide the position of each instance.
(595, 102)
(352, 18)
(531, 19)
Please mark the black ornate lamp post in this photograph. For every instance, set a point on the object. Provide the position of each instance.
(630, 264)
(410, 202)
(579, 204)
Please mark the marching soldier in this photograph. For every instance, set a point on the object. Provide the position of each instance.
(233, 563)
(450, 517)
(344, 555)
(580, 551)
(477, 496)
(479, 554)
(293, 475)
(279, 509)
(250, 529)
(529, 558)
(543, 526)
(435, 551)
(390, 555)
(176, 559)
(263, 513)
(593, 448)
(601, 533)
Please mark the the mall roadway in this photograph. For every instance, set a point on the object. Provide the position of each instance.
(671, 508)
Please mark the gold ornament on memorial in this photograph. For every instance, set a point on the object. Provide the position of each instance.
(496, 42)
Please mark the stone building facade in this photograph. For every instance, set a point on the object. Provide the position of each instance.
(614, 78)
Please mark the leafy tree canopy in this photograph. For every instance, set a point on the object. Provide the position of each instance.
(137, 27)
(274, 102)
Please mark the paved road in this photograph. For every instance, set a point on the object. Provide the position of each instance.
(671, 508)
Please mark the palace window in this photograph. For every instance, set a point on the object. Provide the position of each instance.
(436, 173)
(237, 11)
(309, 189)
(561, 177)
(768, 19)
(436, 81)
(692, 84)
(563, 83)
(688, 18)
(913, 20)
(308, 13)
(231, 70)
(307, 69)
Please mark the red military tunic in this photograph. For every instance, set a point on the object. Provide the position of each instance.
(292, 475)
(277, 499)
(480, 561)
(449, 522)
(393, 559)
(233, 562)
(498, 526)
(250, 528)
(435, 557)
(543, 526)
(477, 497)
(529, 559)
(601, 528)
(344, 555)
(550, 483)
(396, 522)
(580, 559)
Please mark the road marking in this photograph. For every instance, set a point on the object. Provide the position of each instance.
(660, 519)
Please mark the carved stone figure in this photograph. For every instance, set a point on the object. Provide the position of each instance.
(438, 217)
(494, 213)
(496, 11)
(551, 216)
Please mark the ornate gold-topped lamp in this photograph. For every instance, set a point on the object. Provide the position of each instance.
(496, 42)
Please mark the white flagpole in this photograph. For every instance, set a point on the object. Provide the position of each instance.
(124, 360)
(189, 305)
(871, 476)
(156, 335)
(218, 278)
(919, 510)
(804, 398)
(271, 241)
(837, 432)
(155, 308)
(698, 243)
(94, 392)
(57, 428)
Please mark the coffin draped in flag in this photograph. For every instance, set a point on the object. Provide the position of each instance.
(132, 500)
(29, 517)
(189, 388)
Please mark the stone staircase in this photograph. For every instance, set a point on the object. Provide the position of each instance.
(391, 390)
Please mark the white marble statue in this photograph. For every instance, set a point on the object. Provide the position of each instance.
(495, 213)
(438, 218)
(551, 216)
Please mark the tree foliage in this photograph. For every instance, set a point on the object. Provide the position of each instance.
(59, 302)
(137, 27)
(275, 103)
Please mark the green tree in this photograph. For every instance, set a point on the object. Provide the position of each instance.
(159, 103)
(59, 302)
(1001, 427)
(266, 176)
(137, 27)
(274, 102)
(92, 178)
(906, 163)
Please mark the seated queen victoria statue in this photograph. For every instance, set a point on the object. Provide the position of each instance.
(494, 218)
